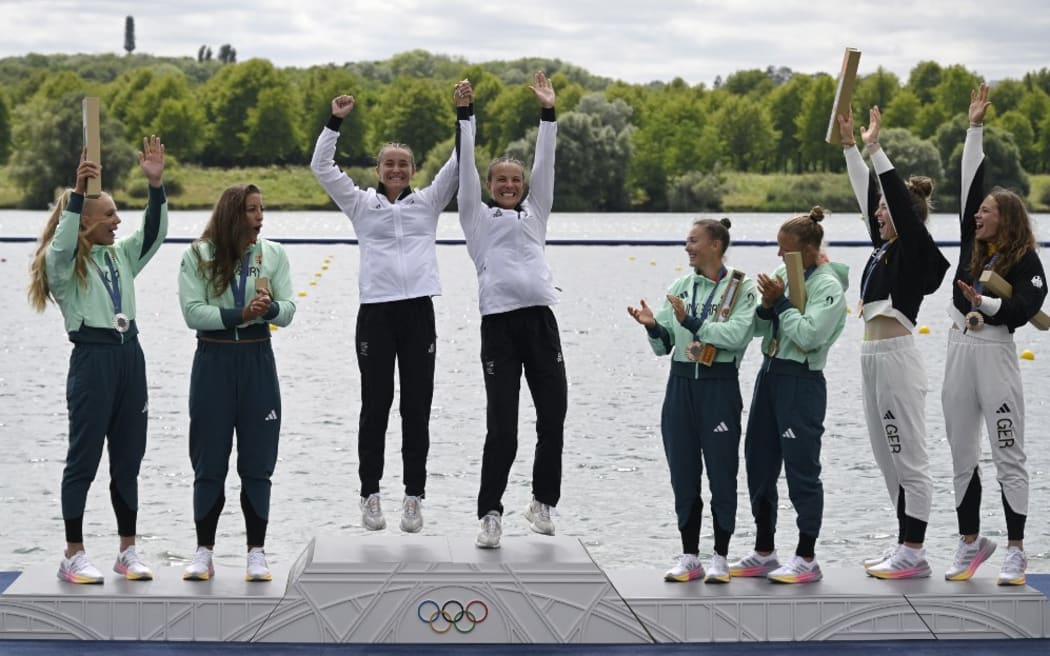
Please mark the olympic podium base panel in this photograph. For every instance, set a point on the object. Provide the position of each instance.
(846, 605)
(535, 589)
(361, 589)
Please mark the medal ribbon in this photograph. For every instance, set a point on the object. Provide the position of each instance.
(870, 269)
(978, 286)
(707, 304)
(238, 287)
(114, 288)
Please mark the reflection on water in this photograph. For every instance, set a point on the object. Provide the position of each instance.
(616, 493)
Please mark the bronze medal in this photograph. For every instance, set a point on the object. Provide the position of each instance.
(693, 351)
(974, 321)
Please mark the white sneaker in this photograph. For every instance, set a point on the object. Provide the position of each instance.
(717, 570)
(796, 570)
(78, 569)
(131, 566)
(491, 531)
(686, 568)
(200, 568)
(905, 563)
(755, 564)
(372, 513)
(257, 569)
(539, 517)
(1014, 566)
(968, 557)
(411, 514)
(886, 554)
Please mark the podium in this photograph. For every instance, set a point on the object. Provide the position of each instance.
(387, 588)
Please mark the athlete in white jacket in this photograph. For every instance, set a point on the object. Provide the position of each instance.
(396, 227)
(506, 240)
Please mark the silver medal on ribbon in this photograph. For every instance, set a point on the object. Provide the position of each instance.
(121, 322)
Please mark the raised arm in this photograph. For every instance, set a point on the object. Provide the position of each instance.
(469, 199)
(337, 184)
(141, 246)
(541, 183)
(865, 185)
(439, 193)
(972, 177)
(906, 222)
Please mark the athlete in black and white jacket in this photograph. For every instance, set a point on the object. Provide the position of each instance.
(982, 376)
(905, 266)
(506, 239)
(396, 228)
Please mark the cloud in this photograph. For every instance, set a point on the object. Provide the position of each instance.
(696, 40)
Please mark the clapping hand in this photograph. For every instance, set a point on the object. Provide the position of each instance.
(643, 315)
(771, 288)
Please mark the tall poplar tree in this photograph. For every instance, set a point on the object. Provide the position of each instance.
(129, 34)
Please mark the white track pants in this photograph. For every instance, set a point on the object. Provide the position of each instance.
(982, 380)
(895, 386)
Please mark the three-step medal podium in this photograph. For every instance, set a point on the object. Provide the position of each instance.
(535, 589)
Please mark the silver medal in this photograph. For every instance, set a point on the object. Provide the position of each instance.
(121, 323)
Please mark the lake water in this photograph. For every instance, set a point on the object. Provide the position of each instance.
(616, 493)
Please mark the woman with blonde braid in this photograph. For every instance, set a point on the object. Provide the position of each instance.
(786, 421)
(90, 275)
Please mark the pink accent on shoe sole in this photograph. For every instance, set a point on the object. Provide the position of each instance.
(691, 575)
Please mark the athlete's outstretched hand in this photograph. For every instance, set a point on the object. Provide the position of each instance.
(643, 315)
(543, 89)
(978, 104)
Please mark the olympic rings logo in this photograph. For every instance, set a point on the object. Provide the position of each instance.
(453, 615)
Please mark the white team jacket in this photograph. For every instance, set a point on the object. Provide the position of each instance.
(507, 246)
(396, 240)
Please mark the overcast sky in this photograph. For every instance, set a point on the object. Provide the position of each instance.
(637, 42)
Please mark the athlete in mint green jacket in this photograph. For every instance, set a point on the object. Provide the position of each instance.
(232, 286)
(700, 421)
(786, 421)
(90, 275)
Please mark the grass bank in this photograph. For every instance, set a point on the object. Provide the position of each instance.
(294, 188)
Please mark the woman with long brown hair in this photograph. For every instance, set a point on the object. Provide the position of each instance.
(232, 285)
(982, 376)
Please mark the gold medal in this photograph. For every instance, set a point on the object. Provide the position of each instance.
(693, 351)
(771, 350)
(974, 321)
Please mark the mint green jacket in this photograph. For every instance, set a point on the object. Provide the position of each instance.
(807, 336)
(202, 311)
(90, 305)
(730, 336)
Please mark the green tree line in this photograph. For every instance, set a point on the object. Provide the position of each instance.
(639, 147)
